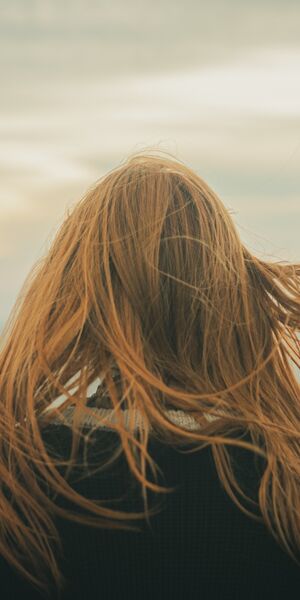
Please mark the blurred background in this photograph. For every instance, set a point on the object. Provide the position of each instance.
(86, 82)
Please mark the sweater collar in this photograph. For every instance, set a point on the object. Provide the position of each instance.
(179, 417)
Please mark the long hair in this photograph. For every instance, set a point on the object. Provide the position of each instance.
(148, 275)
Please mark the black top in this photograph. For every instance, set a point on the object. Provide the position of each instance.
(200, 546)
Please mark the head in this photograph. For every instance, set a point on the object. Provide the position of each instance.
(148, 277)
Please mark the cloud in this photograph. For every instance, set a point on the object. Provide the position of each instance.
(211, 110)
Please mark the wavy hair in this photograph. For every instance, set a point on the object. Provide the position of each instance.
(147, 275)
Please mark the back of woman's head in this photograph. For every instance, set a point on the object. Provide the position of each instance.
(148, 275)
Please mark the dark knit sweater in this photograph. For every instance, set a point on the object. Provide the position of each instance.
(199, 546)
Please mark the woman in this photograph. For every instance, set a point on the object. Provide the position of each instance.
(148, 287)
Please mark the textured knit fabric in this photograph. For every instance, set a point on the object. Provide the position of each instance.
(199, 546)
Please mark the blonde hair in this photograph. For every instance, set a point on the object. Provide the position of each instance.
(148, 274)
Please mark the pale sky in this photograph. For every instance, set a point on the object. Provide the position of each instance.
(85, 83)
